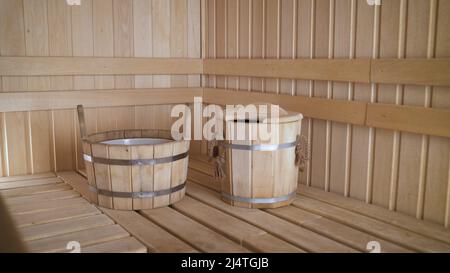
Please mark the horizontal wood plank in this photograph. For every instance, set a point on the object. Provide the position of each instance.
(26, 191)
(296, 235)
(151, 235)
(85, 238)
(421, 120)
(353, 112)
(356, 70)
(231, 227)
(124, 245)
(377, 228)
(391, 217)
(411, 71)
(41, 231)
(31, 101)
(66, 66)
(191, 231)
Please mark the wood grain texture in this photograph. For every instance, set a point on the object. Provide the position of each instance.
(43, 66)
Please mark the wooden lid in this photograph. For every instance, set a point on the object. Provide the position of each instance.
(261, 113)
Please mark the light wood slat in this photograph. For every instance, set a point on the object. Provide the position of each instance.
(32, 101)
(57, 214)
(151, 235)
(429, 121)
(78, 182)
(66, 66)
(35, 190)
(353, 112)
(356, 70)
(36, 232)
(394, 218)
(44, 205)
(41, 197)
(191, 231)
(334, 230)
(85, 238)
(411, 71)
(296, 235)
(29, 183)
(124, 245)
(201, 166)
(269, 243)
(26, 177)
(368, 225)
(231, 227)
(202, 178)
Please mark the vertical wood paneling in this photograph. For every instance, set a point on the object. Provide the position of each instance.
(123, 37)
(382, 168)
(49, 140)
(410, 148)
(178, 37)
(103, 34)
(82, 40)
(320, 49)
(437, 189)
(161, 36)
(142, 14)
(360, 135)
(12, 39)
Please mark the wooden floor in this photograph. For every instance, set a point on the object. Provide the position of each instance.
(50, 213)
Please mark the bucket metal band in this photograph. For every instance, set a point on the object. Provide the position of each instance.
(261, 147)
(142, 194)
(259, 200)
(132, 162)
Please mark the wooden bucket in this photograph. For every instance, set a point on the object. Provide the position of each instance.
(134, 169)
(262, 174)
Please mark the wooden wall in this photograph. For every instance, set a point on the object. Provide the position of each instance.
(401, 171)
(48, 140)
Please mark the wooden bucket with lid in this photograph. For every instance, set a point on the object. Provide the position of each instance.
(134, 169)
(261, 173)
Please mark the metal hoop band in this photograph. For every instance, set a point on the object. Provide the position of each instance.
(142, 194)
(131, 162)
(259, 200)
(261, 147)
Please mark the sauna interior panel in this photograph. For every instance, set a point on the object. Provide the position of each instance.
(400, 171)
(48, 140)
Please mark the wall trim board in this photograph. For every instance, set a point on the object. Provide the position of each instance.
(411, 71)
(356, 70)
(353, 112)
(434, 72)
(31, 101)
(66, 66)
(420, 120)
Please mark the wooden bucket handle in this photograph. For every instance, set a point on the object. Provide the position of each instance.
(81, 121)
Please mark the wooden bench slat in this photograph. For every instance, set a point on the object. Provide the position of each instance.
(191, 231)
(151, 235)
(124, 245)
(41, 231)
(85, 238)
(26, 177)
(42, 197)
(334, 230)
(58, 214)
(382, 214)
(35, 190)
(45, 205)
(231, 227)
(287, 231)
(29, 183)
(369, 225)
